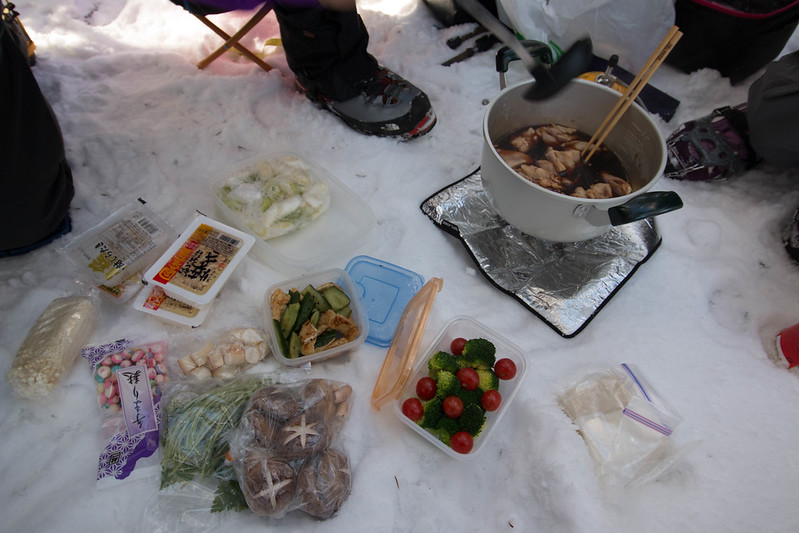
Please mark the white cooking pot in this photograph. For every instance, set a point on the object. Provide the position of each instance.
(553, 216)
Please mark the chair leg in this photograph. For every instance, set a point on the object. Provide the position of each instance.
(233, 41)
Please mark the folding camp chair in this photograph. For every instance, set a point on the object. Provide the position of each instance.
(231, 41)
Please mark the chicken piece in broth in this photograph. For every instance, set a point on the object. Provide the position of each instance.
(550, 156)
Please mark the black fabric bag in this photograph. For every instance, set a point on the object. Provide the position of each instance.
(773, 112)
(35, 176)
(448, 12)
(735, 37)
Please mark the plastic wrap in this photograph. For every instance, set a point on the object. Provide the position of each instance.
(52, 346)
(287, 451)
(198, 418)
(275, 196)
(232, 352)
(128, 376)
(629, 28)
(126, 242)
(626, 425)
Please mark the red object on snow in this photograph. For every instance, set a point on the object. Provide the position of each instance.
(788, 345)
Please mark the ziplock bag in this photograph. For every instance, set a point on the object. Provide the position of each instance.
(625, 423)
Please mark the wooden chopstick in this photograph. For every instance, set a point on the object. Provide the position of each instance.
(631, 93)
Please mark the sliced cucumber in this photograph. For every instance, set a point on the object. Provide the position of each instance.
(281, 340)
(326, 338)
(321, 302)
(307, 304)
(295, 346)
(336, 297)
(345, 311)
(294, 296)
(289, 318)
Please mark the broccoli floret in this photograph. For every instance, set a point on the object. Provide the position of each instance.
(488, 380)
(479, 353)
(442, 361)
(470, 397)
(472, 420)
(446, 428)
(447, 384)
(433, 411)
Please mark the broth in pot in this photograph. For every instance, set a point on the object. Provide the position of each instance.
(549, 155)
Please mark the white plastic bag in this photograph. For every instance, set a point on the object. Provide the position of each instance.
(632, 29)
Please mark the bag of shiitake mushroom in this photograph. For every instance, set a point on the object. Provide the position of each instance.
(286, 451)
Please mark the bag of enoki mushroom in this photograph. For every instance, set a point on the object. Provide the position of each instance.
(52, 346)
(287, 452)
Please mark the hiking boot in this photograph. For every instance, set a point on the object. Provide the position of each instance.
(388, 106)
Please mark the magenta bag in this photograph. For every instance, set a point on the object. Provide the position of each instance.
(223, 6)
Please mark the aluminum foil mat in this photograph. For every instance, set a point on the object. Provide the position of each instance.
(565, 284)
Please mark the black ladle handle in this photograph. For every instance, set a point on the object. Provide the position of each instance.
(644, 206)
(486, 19)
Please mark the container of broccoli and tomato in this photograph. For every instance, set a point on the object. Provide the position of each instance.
(455, 392)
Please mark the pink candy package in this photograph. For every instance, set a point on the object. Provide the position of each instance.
(128, 375)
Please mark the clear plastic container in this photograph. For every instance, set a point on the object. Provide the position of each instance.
(196, 266)
(315, 279)
(468, 328)
(344, 226)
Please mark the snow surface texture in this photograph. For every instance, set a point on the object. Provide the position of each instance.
(140, 120)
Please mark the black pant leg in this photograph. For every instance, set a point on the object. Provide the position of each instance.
(35, 176)
(773, 112)
(326, 49)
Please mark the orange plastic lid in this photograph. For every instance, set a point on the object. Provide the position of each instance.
(398, 366)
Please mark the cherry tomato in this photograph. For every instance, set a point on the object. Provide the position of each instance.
(456, 347)
(468, 378)
(491, 400)
(461, 442)
(412, 408)
(426, 388)
(453, 406)
(505, 369)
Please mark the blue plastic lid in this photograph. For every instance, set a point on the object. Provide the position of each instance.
(386, 290)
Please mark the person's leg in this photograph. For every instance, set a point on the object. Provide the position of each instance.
(327, 51)
(37, 181)
(773, 112)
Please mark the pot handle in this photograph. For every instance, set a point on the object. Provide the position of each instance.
(505, 55)
(644, 206)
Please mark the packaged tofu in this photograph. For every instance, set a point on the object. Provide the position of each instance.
(126, 242)
(196, 266)
(154, 301)
(52, 346)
